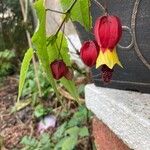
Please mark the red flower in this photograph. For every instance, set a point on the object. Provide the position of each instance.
(59, 69)
(108, 31)
(89, 53)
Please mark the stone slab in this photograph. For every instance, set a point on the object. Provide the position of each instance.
(126, 113)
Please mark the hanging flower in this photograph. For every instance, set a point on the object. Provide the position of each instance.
(59, 69)
(108, 31)
(89, 53)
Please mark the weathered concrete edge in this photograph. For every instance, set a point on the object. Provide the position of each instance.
(132, 129)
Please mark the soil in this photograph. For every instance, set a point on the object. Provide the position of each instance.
(12, 126)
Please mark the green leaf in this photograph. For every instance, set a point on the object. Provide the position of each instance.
(80, 12)
(56, 45)
(72, 138)
(39, 40)
(66, 143)
(79, 118)
(83, 132)
(24, 69)
(69, 143)
(40, 111)
(59, 133)
(29, 141)
(70, 86)
(53, 52)
(44, 143)
(72, 131)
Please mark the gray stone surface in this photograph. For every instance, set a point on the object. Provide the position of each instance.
(126, 113)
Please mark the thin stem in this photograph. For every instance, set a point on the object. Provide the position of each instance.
(77, 52)
(100, 5)
(60, 46)
(106, 7)
(55, 11)
(65, 18)
(62, 37)
(89, 14)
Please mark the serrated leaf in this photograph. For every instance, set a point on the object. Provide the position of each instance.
(83, 132)
(24, 68)
(44, 143)
(79, 117)
(73, 131)
(39, 40)
(40, 111)
(67, 143)
(29, 141)
(59, 133)
(80, 12)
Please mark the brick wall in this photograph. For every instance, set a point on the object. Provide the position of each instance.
(104, 138)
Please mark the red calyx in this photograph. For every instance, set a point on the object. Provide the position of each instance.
(89, 53)
(107, 31)
(106, 74)
(59, 69)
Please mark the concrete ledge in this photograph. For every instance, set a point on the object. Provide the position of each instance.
(126, 113)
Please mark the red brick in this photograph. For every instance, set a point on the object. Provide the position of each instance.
(105, 139)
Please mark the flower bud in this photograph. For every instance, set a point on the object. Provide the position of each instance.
(59, 69)
(89, 53)
(107, 31)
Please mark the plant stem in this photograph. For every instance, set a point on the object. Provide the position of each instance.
(100, 5)
(56, 11)
(65, 18)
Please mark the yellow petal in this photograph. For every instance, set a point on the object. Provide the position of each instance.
(109, 58)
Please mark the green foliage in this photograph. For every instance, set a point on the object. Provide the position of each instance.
(56, 52)
(66, 136)
(79, 117)
(55, 47)
(41, 111)
(39, 41)
(80, 12)
(6, 58)
(33, 144)
(60, 131)
(30, 87)
(24, 68)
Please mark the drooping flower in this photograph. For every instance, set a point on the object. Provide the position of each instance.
(89, 53)
(59, 69)
(107, 31)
